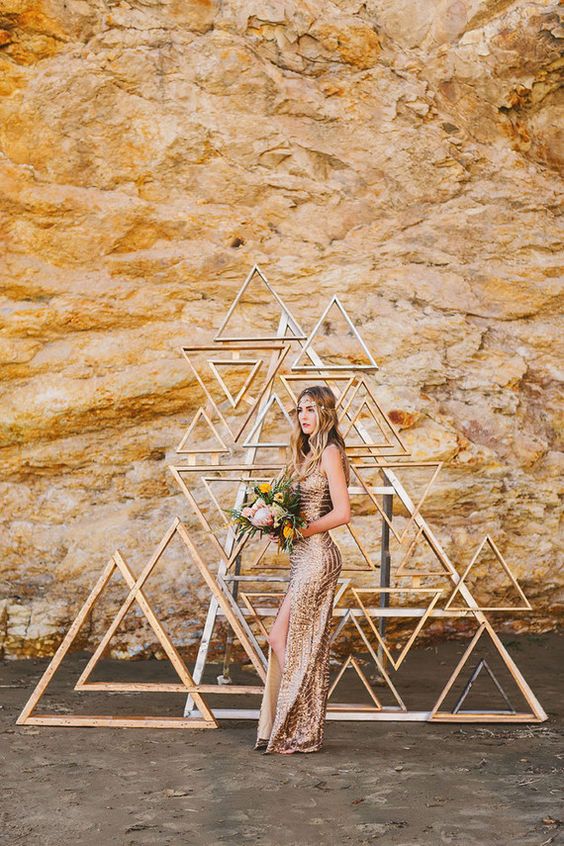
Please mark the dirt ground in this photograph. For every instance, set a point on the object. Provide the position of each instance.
(407, 784)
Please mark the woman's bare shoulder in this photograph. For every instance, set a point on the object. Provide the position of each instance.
(331, 455)
(331, 450)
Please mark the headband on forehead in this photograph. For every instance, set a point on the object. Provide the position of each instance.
(318, 405)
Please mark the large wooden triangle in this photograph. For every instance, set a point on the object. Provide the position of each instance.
(536, 714)
(29, 716)
(256, 285)
(230, 610)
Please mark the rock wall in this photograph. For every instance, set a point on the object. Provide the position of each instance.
(402, 154)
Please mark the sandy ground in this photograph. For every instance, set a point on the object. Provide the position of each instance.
(407, 784)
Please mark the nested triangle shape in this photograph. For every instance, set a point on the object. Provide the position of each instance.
(136, 598)
(364, 420)
(366, 427)
(29, 715)
(486, 638)
(235, 376)
(338, 343)
(351, 622)
(234, 620)
(271, 428)
(217, 392)
(487, 557)
(257, 304)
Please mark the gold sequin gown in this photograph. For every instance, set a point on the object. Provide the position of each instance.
(292, 714)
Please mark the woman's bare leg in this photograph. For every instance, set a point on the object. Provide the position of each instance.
(279, 631)
(278, 637)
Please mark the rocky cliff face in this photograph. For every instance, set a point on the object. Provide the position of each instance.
(404, 155)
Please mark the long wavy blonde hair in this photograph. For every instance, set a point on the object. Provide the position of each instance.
(305, 451)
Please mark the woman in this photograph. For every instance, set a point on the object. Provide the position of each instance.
(292, 714)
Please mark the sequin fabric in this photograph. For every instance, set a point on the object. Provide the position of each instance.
(292, 715)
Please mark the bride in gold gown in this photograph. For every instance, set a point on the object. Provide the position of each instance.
(292, 714)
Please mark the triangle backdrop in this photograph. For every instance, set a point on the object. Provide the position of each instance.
(396, 574)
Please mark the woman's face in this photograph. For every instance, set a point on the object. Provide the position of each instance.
(307, 415)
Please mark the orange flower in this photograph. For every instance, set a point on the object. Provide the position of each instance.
(265, 487)
(288, 531)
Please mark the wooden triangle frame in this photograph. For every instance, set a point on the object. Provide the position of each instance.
(214, 363)
(29, 716)
(297, 332)
(535, 715)
(351, 661)
(422, 613)
(259, 422)
(201, 414)
(334, 301)
(526, 606)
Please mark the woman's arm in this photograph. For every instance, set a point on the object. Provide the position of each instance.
(341, 512)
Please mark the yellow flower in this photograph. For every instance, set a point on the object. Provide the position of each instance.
(279, 497)
(265, 487)
(288, 531)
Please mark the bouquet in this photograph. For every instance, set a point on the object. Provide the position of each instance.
(272, 508)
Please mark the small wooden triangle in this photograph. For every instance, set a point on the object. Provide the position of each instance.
(266, 417)
(209, 430)
(352, 662)
(350, 618)
(362, 352)
(256, 276)
(526, 606)
(253, 366)
(369, 413)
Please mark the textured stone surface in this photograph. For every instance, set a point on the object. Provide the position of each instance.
(403, 155)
